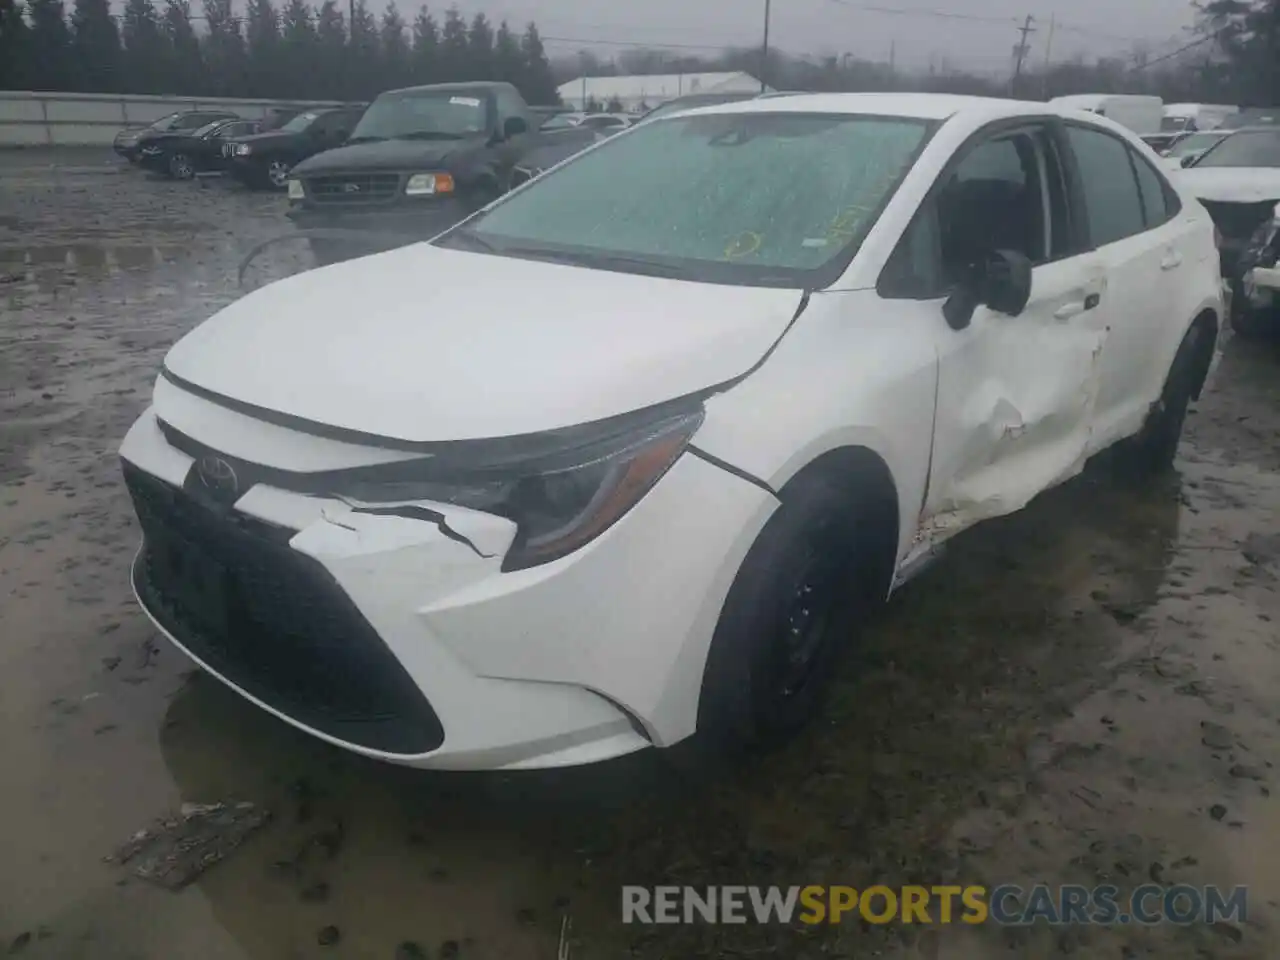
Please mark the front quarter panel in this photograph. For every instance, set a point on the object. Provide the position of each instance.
(854, 371)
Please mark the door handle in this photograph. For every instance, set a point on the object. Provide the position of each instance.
(1073, 308)
(1171, 259)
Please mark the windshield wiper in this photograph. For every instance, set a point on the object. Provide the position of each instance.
(429, 135)
(364, 140)
(604, 261)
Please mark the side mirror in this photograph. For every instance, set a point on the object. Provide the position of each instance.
(513, 127)
(1188, 160)
(1002, 282)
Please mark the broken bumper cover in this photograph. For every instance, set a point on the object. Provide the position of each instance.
(383, 635)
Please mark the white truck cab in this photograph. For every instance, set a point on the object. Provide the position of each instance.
(1141, 114)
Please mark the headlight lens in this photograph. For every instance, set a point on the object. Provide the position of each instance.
(561, 507)
(243, 149)
(295, 189)
(428, 184)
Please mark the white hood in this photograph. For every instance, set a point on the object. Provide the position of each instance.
(1231, 184)
(427, 344)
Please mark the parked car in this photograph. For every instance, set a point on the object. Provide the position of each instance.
(631, 454)
(692, 100)
(1238, 182)
(1187, 149)
(1142, 114)
(183, 155)
(1193, 117)
(543, 158)
(606, 122)
(419, 161)
(264, 160)
(1162, 143)
(128, 143)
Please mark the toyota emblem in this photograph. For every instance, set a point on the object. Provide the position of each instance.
(218, 476)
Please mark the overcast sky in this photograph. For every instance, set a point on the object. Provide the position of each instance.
(976, 33)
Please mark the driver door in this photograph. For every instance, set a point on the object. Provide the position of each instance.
(1015, 394)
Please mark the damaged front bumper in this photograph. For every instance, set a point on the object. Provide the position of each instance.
(393, 632)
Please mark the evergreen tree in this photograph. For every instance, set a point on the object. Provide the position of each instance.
(145, 49)
(453, 46)
(331, 52)
(298, 49)
(479, 59)
(424, 66)
(506, 55)
(262, 49)
(362, 54)
(395, 49)
(15, 47)
(223, 49)
(95, 46)
(186, 74)
(538, 85)
(50, 46)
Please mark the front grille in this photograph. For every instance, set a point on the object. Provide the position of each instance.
(353, 188)
(272, 621)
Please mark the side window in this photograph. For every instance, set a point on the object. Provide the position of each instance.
(238, 129)
(1005, 193)
(1110, 187)
(509, 104)
(191, 121)
(1159, 202)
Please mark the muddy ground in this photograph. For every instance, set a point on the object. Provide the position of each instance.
(1087, 692)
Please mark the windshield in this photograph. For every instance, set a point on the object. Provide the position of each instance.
(164, 122)
(1174, 124)
(751, 198)
(1195, 143)
(1248, 148)
(562, 121)
(208, 128)
(300, 122)
(427, 115)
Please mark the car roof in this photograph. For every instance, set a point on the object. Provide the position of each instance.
(926, 106)
(456, 87)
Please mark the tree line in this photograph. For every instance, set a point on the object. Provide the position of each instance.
(293, 51)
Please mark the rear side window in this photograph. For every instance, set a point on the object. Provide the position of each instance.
(1111, 196)
(1159, 203)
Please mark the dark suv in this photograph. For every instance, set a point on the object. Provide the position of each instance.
(265, 159)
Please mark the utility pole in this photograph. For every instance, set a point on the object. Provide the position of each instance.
(764, 50)
(1020, 52)
(893, 54)
(1048, 52)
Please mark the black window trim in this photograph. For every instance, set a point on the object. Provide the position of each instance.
(1049, 123)
(1172, 202)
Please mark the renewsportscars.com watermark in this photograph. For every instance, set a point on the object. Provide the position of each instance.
(1006, 904)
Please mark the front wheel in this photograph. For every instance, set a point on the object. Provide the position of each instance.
(819, 567)
(277, 174)
(181, 167)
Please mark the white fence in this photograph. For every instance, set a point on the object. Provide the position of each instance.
(30, 119)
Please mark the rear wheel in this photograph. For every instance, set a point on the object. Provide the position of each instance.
(181, 167)
(1152, 450)
(820, 565)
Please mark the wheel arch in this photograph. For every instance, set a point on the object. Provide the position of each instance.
(1208, 322)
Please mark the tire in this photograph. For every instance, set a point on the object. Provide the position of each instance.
(275, 174)
(180, 167)
(819, 567)
(1151, 452)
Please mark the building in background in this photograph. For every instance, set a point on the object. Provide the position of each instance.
(639, 93)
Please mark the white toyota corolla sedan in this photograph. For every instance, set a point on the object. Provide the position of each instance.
(629, 455)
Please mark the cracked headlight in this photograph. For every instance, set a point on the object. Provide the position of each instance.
(559, 503)
(428, 184)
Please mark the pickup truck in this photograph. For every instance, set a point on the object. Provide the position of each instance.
(419, 160)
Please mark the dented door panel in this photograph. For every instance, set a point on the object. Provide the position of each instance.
(1016, 400)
